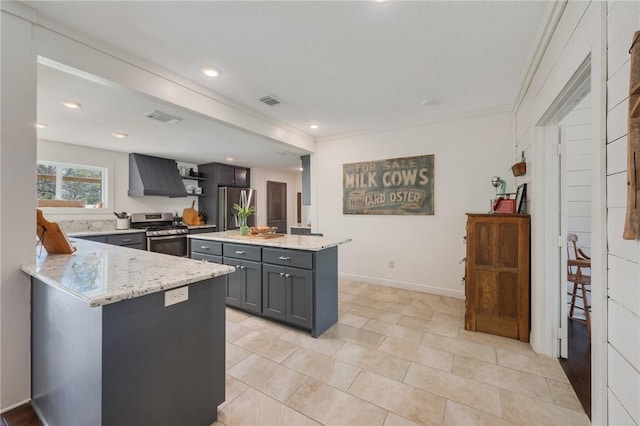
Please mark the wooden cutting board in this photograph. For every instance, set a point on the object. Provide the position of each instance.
(190, 215)
(51, 236)
(632, 220)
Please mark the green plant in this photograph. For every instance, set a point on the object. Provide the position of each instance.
(244, 211)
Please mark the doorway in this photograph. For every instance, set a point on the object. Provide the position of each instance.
(576, 176)
(277, 205)
(563, 149)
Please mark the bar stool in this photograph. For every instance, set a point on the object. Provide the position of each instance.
(581, 282)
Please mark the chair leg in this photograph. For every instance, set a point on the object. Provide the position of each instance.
(587, 308)
(573, 299)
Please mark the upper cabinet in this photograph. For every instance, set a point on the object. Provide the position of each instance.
(227, 175)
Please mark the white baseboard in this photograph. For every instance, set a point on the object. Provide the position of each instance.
(424, 288)
(11, 407)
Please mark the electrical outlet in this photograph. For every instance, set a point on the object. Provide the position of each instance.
(392, 264)
(178, 295)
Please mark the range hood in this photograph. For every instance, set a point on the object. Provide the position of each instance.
(154, 176)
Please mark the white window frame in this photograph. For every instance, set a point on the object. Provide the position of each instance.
(107, 193)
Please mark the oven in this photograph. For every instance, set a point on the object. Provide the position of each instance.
(175, 245)
(164, 235)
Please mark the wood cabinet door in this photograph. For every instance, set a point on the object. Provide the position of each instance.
(498, 276)
(225, 175)
(252, 286)
(273, 292)
(234, 283)
(299, 297)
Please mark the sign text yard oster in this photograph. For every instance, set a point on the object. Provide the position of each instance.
(398, 186)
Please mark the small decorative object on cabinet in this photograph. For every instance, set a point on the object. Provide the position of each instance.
(497, 275)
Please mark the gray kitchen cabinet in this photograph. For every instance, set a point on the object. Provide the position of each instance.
(217, 175)
(135, 240)
(287, 294)
(244, 286)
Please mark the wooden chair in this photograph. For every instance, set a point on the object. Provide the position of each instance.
(581, 282)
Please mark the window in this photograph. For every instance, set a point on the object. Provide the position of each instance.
(69, 185)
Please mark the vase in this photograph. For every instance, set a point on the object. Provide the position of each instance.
(244, 229)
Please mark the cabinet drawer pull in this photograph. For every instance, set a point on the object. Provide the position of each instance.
(204, 247)
(287, 275)
(126, 240)
(282, 274)
(239, 252)
(284, 258)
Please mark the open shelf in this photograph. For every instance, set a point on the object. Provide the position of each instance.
(193, 178)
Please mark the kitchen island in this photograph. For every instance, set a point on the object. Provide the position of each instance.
(126, 337)
(288, 278)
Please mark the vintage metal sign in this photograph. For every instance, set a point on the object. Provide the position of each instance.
(398, 186)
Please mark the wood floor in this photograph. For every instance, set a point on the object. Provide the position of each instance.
(578, 365)
(21, 416)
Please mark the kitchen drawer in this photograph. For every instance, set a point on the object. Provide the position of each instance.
(240, 251)
(207, 247)
(295, 258)
(206, 257)
(97, 239)
(126, 239)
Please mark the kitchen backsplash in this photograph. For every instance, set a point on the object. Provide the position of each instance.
(86, 225)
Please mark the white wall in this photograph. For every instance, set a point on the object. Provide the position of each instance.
(259, 178)
(17, 222)
(623, 19)
(426, 250)
(576, 134)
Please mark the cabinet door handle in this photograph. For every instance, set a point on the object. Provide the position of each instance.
(239, 252)
(463, 260)
(284, 258)
(204, 247)
(287, 275)
(239, 266)
(126, 240)
(282, 274)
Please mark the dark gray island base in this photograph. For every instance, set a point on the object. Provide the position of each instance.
(292, 279)
(135, 362)
(122, 337)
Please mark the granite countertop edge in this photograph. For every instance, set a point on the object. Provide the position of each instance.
(122, 273)
(80, 234)
(287, 241)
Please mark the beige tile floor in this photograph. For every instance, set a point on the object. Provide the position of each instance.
(396, 357)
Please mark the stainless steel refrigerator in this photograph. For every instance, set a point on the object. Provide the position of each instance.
(227, 197)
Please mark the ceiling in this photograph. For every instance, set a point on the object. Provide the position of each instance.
(349, 66)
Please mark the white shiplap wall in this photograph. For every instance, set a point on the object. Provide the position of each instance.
(623, 19)
(576, 134)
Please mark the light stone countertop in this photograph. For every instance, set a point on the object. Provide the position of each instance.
(101, 274)
(104, 232)
(287, 241)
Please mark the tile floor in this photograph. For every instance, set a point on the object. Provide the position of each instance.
(396, 357)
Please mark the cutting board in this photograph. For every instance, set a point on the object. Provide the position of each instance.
(632, 219)
(51, 236)
(190, 215)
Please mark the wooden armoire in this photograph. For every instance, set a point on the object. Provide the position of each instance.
(497, 274)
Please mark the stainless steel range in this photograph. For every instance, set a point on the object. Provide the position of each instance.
(163, 236)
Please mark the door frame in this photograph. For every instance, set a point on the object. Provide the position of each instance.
(545, 224)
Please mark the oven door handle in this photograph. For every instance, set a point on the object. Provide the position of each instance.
(168, 237)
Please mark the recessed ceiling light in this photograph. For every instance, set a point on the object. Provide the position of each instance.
(378, 1)
(229, 159)
(427, 102)
(210, 72)
(313, 126)
(301, 169)
(41, 126)
(119, 135)
(71, 104)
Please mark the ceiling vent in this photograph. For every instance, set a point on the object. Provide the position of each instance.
(163, 116)
(269, 100)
